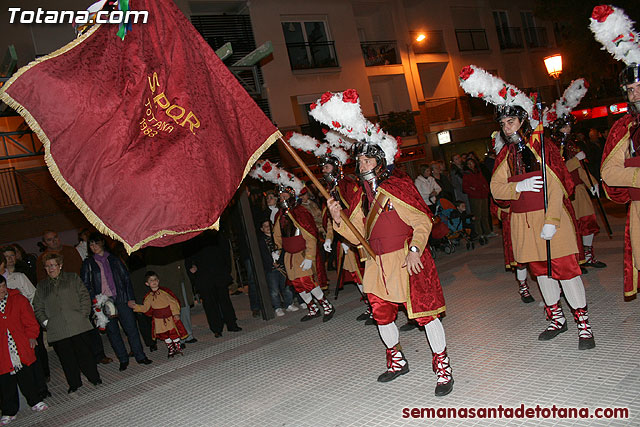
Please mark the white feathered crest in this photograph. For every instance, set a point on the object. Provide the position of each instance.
(317, 148)
(341, 112)
(493, 90)
(264, 170)
(337, 140)
(613, 28)
(570, 100)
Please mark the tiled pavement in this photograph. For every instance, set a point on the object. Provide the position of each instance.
(287, 373)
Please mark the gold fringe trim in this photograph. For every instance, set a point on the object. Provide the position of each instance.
(62, 182)
(635, 283)
(623, 141)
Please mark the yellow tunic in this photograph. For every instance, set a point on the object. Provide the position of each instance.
(581, 202)
(292, 261)
(160, 299)
(526, 226)
(615, 174)
(351, 260)
(385, 275)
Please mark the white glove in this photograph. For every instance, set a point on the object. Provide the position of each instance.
(45, 322)
(581, 156)
(327, 245)
(548, 230)
(530, 184)
(306, 264)
(345, 247)
(275, 255)
(595, 190)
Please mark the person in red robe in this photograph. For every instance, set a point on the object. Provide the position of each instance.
(295, 232)
(396, 222)
(620, 160)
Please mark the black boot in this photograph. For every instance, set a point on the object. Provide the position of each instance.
(525, 295)
(558, 322)
(442, 369)
(314, 311)
(586, 340)
(395, 365)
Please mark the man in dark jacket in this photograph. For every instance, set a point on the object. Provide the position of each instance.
(208, 261)
(104, 273)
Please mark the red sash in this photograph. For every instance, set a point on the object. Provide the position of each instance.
(293, 244)
(529, 201)
(162, 313)
(389, 233)
(634, 162)
(575, 175)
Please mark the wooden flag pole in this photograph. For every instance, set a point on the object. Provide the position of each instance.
(327, 196)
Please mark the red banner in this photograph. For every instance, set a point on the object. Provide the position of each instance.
(151, 136)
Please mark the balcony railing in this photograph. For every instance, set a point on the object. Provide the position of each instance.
(380, 53)
(536, 37)
(509, 37)
(9, 193)
(304, 56)
(472, 40)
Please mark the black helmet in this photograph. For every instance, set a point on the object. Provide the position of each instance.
(375, 152)
(631, 74)
(334, 175)
(503, 111)
(566, 119)
(291, 201)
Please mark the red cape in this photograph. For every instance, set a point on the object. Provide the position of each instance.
(618, 131)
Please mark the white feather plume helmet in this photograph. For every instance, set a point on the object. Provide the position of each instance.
(493, 90)
(317, 148)
(341, 112)
(613, 28)
(335, 139)
(264, 170)
(570, 100)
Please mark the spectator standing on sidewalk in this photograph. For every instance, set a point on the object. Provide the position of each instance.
(62, 305)
(104, 273)
(208, 261)
(477, 188)
(18, 332)
(72, 259)
(273, 263)
(427, 187)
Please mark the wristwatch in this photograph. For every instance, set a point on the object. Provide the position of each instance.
(414, 249)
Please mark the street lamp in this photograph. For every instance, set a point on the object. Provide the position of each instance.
(419, 37)
(553, 64)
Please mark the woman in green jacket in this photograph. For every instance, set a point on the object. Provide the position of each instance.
(62, 305)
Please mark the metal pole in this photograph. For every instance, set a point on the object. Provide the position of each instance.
(557, 80)
(544, 180)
